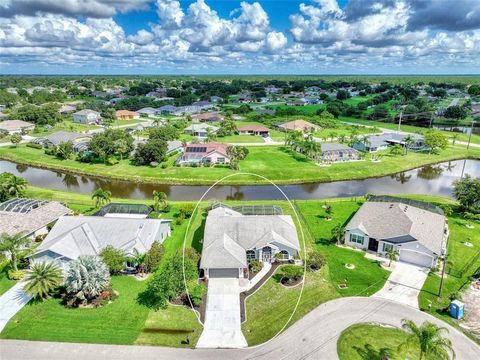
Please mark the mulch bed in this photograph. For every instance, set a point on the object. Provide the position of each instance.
(245, 294)
(290, 282)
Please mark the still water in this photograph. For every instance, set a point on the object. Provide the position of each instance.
(433, 180)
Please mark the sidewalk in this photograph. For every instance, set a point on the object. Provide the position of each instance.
(12, 302)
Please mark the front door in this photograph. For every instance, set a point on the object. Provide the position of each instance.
(267, 254)
(373, 244)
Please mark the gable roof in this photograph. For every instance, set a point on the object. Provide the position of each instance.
(207, 148)
(88, 235)
(12, 125)
(63, 136)
(229, 234)
(125, 113)
(87, 112)
(259, 128)
(397, 222)
(201, 127)
(300, 124)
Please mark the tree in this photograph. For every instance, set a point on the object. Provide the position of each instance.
(292, 138)
(365, 140)
(105, 144)
(396, 149)
(342, 95)
(86, 278)
(392, 255)
(338, 233)
(332, 135)
(409, 140)
(159, 197)
(15, 139)
(435, 140)
(236, 153)
(101, 197)
(64, 150)
(455, 112)
(454, 138)
(154, 256)
(430, 340)
(211, 135)
(154, 150)
(467, 192)
(121, 147)
(227, 128)
(113, 258)
(474, 90)
(11, 186)
(42, 278)
(14, 245)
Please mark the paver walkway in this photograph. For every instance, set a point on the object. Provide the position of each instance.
(12, 302)
(222, 328)
(404, 284)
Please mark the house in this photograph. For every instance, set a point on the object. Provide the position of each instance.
(296, 103)
(167, 109)
(79, 141)
(158, 93)
(334, 152)
(215, 99)
(87, 116)
(417, 232)
(200, 130)
(67, 109)
(298, 125)
(28, 216)
(126, 115)
(208, 117)
(147, 112)
(210, 153)
(262, 111)
(73, 236)
(375, 143)
(203, 104)
(174, 146)
(272, 89)
(254, 130)
(16, 126)
(231, 239)
(99, 94)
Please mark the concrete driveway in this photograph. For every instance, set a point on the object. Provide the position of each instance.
(222, 328)
(404, 284)
(12, 302)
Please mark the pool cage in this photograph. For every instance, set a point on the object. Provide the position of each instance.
(117, 208)
(252, 209)
(21, 205)
(411, 202)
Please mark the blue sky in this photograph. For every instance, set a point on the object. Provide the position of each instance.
(235, 37)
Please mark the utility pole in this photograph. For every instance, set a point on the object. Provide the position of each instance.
(443, 273)
(431, 120)
(470, 135)
(400, 120)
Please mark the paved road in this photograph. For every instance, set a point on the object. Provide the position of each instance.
(12, 302)
(404, 284)
(313, 337)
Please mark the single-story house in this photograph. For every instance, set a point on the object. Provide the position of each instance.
(296, 103)
(298, 125)
(254, 130)
(67, 109)
(334, 152)
(78, 140)
(167, 109)
(383, 141)
(126, 115)
(203, 104)
(73, 236)
(16, 126)
(87, 116)
(208, 117)
(231, 239)
(28, 216)
(174, 146)
(262, 111)
(215, 99)
(419, 235)
(200, 130)
(148, 112)
(208, 154)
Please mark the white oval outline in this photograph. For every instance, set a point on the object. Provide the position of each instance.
(304, 250)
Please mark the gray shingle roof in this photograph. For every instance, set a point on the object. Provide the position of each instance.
(73, 236)
(228, 234)
(399, 223)
(64, 136)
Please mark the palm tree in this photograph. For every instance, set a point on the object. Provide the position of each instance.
(13, 185)
(332, 135)
(454, 138)
(338, 233)
(13, 245)
(210, 135)
(292, 138)
(429, 338)
(342, 138)
(409, 140)
(121, 147)
(159, 197)
(42, 278)
(392, 255)
(101, 197)
(86, 277)
(365, 140)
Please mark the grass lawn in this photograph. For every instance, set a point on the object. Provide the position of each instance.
(305, 110)
(240, 139)
(363, 341)
(277, 163)
(5, 282)
(345, 130)
(65, 126)
(120, 322)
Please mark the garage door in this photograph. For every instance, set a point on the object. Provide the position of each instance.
(223, 273)
(417, 258)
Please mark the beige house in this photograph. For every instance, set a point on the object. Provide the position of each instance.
(16, 126)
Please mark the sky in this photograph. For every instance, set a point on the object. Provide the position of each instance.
(240, 37)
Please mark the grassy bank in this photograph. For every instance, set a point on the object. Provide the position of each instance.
(277, 163)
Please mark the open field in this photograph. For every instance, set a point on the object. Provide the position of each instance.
(277, 163)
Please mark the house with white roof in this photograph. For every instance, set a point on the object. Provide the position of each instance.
(86, 116)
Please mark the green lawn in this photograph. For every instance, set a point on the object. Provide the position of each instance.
(345, 130)
(275, 162)
(363, 341)
(65, 125)
(305, 110)
(240, 139)
(5, 282)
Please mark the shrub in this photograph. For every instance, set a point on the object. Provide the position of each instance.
(196, 293)
(315, 261)
(154, 256)
(112, 160)
(113, 258)
(34, 146)
(187, 210)
(16, 274)
(292, 272)
(42, 278)
(255, 265)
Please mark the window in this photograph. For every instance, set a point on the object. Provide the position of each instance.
(283, 255)
(250, 254)
(356, 238)
(387, 247)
